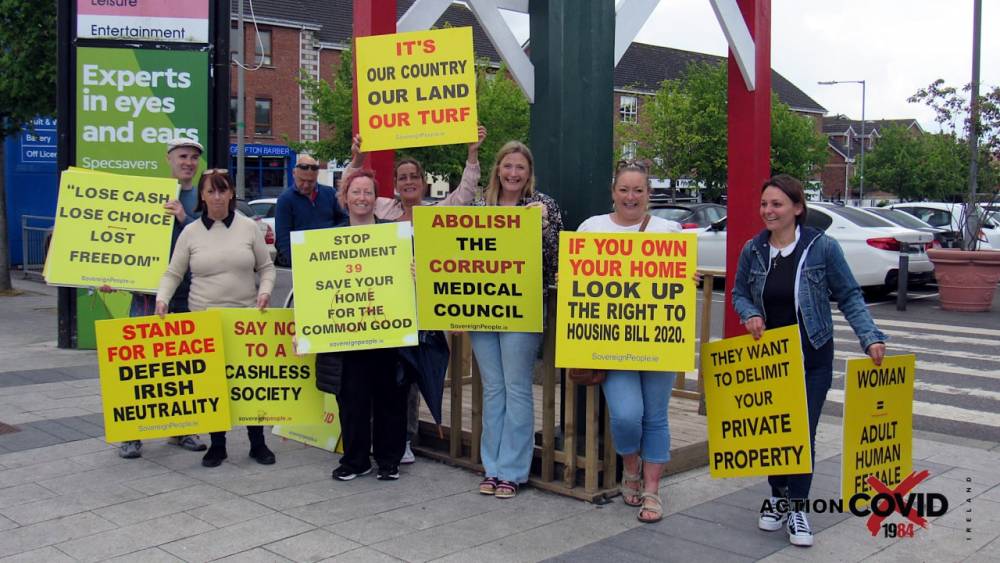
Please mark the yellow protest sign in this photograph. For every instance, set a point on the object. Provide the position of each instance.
(755, 395)
(479, 268)
(416, 89)
(325, 435)
(626, 301)
(354, 288)
(110, 229)
(162, 377)
(268, 382)
(878, 423)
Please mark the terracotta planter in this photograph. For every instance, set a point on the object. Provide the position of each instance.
(967, 279)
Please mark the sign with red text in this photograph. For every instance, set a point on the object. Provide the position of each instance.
(755, 395)
(626, 301)
(416, 89)
(325, 435)
(143, 20)
(162, 377)
(354, 288)
(479, 268)
(268, 382)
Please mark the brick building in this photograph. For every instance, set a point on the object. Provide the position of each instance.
(844, 147)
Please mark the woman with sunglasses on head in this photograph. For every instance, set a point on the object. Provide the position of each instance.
(224, 251)
(506, 359)
(410, 182)
(787, 275)
(637, 400)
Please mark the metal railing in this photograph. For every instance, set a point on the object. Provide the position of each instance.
(35, 233)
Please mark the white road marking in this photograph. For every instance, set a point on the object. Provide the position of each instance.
(944, 412)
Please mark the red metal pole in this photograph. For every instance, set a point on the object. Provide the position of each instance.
(375, 17)
(749, 147)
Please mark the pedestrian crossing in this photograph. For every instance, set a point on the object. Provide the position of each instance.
(957, 373)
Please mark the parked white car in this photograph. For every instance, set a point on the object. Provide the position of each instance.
(949, 216)
(871, 245)
(266, 229)
(264, 208)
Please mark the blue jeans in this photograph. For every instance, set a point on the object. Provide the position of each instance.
(506, 363)
(637, 405)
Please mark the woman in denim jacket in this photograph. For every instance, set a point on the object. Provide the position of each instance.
(787, 275)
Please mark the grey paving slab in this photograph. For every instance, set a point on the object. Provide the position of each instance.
(309, 493)
(19, 494)
(73, 503)
(370, 530)
(755, 544)
(255, 555)
(385, 497)
(164, 483)
(314, 545)
(89, 477)
(29, 438)
(237, 538)
(164, 504)
(14, 378)
(601, 553)
(121, 541)
(7, 523)
(227, 513)
(150, 555)
(28, 538)
(42, 555)
(438, 511)
(63, 432)
(39, 471)
(362, 555)
(68, 450)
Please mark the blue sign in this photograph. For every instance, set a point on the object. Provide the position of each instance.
(261, 150)
(37, 144)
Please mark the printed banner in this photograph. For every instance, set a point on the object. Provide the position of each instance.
(878, 423)
(416, 89)
(755, 394)
(354, 288)
(110, 229)
(143, 20)
(325, 435)
(627, 301)
(268, 382)
(479, 268)
(130, 102)
(162, 377)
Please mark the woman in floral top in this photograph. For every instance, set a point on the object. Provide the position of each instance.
(506, 359)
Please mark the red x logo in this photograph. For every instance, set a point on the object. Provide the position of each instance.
(901, 490)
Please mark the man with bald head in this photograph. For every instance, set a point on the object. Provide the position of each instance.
(304, 206)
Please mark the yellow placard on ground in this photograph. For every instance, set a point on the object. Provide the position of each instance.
(268, 382)
(325, 435)
(626, 301)
(479, 268)
(755, 394)
(162, 377)
(354, 288)
(416, 89)
(110, 229)
(878, 423)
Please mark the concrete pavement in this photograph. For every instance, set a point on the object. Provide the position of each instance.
(66, 496)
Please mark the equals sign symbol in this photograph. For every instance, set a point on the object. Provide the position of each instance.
(880, 405)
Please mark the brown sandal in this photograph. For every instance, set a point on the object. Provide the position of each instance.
(506, 489)
(488, 486)
(631, 488)
(651, 503)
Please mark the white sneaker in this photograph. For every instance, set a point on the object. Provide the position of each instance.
(799, 532)
(408, 456)
(773, 517)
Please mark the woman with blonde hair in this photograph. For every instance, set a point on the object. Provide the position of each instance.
(506, 359)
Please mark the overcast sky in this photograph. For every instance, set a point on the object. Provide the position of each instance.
(896, 46)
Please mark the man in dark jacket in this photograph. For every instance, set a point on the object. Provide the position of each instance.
(306, 205)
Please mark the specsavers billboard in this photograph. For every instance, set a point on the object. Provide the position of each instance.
(130, 102)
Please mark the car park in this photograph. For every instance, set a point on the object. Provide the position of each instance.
(871, 246)
(949, 216)
(943, 238)
(268, 230)
(689, 215)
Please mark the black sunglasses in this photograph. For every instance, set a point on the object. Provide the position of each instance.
(313, 167)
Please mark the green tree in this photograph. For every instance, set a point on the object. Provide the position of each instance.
(28, 86)
(501, 105)
(894, 163)
(683, 131)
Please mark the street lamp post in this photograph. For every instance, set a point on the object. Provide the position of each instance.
(861, 166)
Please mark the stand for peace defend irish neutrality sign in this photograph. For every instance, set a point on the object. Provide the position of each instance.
(110, 229)
(268, 382)
(755, 395)
(416, 89)
(878, 423)
(162, 377)
(354, 288)
(479, 268)
(626, 301)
